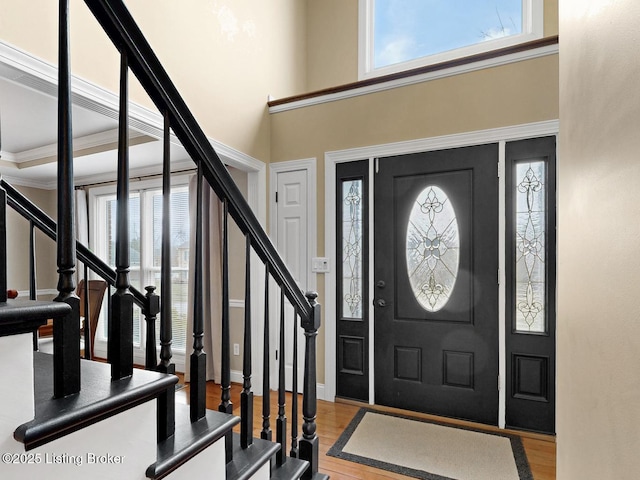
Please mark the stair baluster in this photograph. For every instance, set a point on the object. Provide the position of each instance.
(266, 433)
(294, 390)
(33, 292)
(225, 382)
(198, 393)
(167, 400)
(3, 244)
(86, 323)
(246, 397)
(120, 344)
(281, 422)
(66, 330)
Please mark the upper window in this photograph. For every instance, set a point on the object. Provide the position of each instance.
(398, 35)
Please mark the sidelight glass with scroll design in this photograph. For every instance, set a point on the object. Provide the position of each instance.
(530, 241)
(352, 225)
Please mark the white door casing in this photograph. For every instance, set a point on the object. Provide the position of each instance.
(498, 135)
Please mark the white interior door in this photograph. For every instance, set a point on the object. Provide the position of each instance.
(292, 212)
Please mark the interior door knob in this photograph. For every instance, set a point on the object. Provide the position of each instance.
(381, 302)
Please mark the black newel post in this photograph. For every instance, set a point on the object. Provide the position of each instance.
(120, 346)
(66, 330)
(309, 444)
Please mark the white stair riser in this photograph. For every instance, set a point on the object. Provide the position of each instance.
(16, 352)
(210, 463)
(263, 474)
(127, 441)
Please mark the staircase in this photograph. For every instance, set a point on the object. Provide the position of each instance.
(68, 417)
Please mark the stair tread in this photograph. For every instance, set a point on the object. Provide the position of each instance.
(99, 398)
(320, 476)
(189, 439)
(292, 469)
(247, 461)
(24, 316)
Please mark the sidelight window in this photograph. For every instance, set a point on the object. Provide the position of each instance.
(530, 235)
(352, 248)
(530, 241)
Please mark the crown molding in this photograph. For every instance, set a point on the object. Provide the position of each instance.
(95, 140)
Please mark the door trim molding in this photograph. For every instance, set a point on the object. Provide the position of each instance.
(498, 135)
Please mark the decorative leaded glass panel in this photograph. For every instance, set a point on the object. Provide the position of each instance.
(530, 243)
(433, 248)
(352, 249)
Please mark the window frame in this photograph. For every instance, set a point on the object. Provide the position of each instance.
(532, 29)
(97, 241)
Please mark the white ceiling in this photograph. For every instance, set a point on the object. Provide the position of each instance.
(28, 132)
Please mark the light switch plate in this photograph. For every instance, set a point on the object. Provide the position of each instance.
(320, 264)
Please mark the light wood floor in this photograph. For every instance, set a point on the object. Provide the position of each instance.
(334, 417)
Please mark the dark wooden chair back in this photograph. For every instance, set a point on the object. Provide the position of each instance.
(95, 291)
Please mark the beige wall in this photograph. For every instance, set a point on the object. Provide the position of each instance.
(599, 206)
(332, 43)
(332, 40)
(225, 56)
(18, 245)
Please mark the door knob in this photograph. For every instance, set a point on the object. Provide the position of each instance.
(381, 302)
(381, 284)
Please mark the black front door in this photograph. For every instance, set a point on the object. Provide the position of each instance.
(436, 282)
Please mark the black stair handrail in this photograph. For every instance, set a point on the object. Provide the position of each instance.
(125, 34)
(27, 209)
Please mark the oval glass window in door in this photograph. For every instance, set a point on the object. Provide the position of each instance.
(433, 248)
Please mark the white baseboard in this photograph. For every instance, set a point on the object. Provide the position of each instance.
(41, 291)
